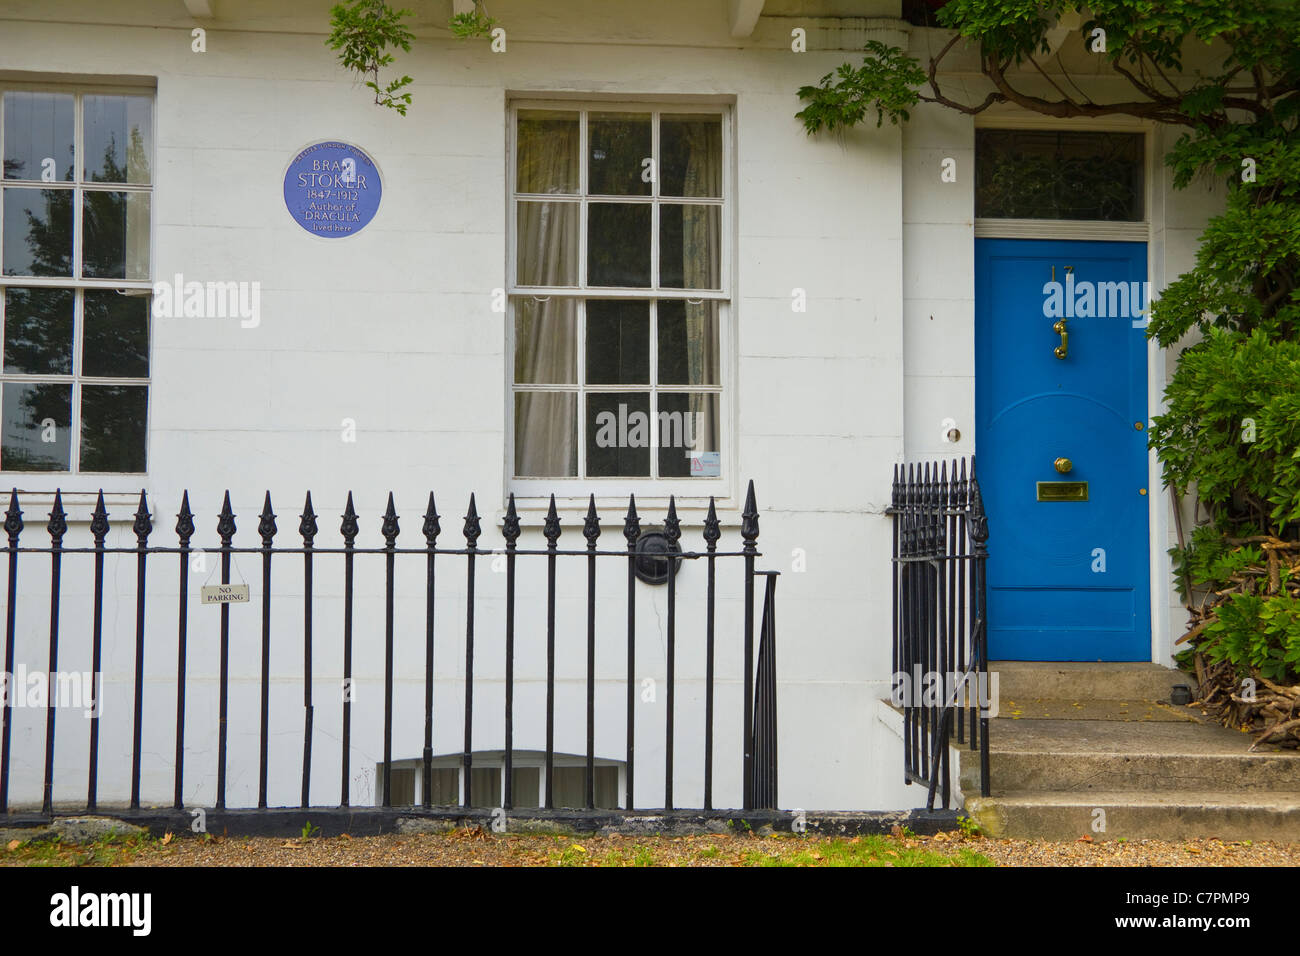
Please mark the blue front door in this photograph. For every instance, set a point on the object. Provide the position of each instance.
(1060, 407)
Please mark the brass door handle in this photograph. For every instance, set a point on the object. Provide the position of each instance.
(1063, 465)
(1063, 349)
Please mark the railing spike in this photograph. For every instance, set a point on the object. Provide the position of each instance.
(185, 520)
(591, 526)
(510, 526)
(632, 522)
(226, 522)
(350, 526)
(13, 518)
(672, 526)
(432, 526)
(390, 529)
(749, 519)
(266, 523)
(551, 527)
(58, 523)
(99, 519)
(472, 525)
(143, 524)
(307, 526)
(712, 531)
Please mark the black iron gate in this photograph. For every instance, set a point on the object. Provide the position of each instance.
(940, 649)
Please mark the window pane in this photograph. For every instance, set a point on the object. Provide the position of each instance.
(569, 787)
(37, 232)
(115, 341)
(690, 148)
(37, 423)
(618, 245)
(620, 146)
(546, 444)
(548, 243)
(548, 152)
(119, 138)
(690, 238)
(618, 434)
(38, 136)
(115, 226)
(690, 437)
(688, 342)
(444, 789)
(1045, 174)
(546, 341)
(485, 786)
(113, 421)
(606, 787)
(403, 784)
(618, 342)
(525, 785)
(38, 331)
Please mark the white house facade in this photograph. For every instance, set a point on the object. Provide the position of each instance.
(598, 256)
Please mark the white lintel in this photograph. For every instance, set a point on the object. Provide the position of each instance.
(199, 9)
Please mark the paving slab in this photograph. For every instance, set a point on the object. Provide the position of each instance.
(1183, 815)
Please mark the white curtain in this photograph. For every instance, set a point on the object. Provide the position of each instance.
(545, 327)
(701, 252)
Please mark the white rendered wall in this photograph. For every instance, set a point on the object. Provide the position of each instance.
(393, 328)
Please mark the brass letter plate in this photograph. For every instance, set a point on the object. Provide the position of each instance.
(1062, 491)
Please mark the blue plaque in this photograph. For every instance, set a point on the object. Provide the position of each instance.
(332, 189)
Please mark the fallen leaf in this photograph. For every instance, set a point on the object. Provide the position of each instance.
(167, 838)
(14, 844)
(1084, 839)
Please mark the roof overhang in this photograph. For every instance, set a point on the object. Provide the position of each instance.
(742, 16)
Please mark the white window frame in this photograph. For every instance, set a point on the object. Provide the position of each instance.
(47, 481)
(530, 490)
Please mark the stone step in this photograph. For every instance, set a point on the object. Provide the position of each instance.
(1085, 680)
(1079, 756)
(1170, 815)
(1057, 708)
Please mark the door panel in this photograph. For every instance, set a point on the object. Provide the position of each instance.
(1067, 578)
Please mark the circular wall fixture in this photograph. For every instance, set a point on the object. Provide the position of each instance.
(653, 564)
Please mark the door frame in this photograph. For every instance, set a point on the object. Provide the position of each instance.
(1151, 231)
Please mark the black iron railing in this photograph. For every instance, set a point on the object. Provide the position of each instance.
(758, 729)
(940, 649)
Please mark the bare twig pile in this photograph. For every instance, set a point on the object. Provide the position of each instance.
(1272, 712)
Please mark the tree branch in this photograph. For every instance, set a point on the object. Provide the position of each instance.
(945, 101)
(1055, 85)
(1161, 109)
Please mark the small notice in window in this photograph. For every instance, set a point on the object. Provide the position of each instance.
(224, 594)
(706, 464)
